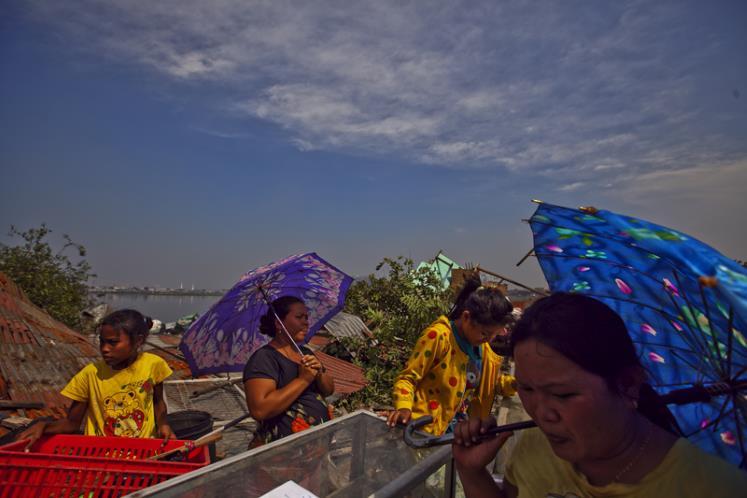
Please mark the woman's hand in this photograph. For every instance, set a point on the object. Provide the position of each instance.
(33, 433)
(309, 368)
(470, 453)
(399, 416)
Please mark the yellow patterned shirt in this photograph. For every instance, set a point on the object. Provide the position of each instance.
(434, 379)
(686, 471)
(120, 402)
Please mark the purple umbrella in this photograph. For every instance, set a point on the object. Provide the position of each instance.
(224, 337)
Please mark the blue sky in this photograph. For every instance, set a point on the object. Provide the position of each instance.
(190, 141)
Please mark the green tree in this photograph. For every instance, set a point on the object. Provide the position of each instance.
(397, 307)
(51, 280)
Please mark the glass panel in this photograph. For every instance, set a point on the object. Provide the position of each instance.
(353, 456)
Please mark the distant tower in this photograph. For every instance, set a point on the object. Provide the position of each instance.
(181, 286)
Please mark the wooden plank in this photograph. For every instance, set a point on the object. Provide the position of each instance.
(6, 404)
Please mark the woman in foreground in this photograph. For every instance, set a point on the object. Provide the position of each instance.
(602, 431)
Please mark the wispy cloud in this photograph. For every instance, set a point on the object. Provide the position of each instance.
(602, 93)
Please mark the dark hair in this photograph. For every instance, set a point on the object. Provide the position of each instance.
(282, 307)
(486, 305)
(131, 322)
(593, 336)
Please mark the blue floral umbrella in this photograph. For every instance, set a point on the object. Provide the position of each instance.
(224, 337)
(684, 303)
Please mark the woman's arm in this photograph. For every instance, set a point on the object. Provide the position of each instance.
(325, 383)
(265, 400)
(67, 425)
(159, 410)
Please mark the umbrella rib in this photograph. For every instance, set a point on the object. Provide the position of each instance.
(722, 412)
(703, 346)
(658, 310)
(739, 432)
(687, 362)
(711, 325)
(729, 340)
(674, 384)
(697, 323)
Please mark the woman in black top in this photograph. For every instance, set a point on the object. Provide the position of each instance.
(284, 390)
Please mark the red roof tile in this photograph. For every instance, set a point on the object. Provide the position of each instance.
(39, 354)
(349, 378)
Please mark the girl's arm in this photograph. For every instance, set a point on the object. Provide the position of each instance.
(159, 410)
(265, 400)
(417, 366)
(67, 425)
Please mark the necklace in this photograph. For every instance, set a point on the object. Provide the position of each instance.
(638, 453)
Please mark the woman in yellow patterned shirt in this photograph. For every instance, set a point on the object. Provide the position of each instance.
(452, 372)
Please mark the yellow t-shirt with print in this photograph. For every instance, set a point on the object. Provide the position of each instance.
(120, 402)
(686, 471)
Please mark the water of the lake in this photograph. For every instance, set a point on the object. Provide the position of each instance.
(164, 308)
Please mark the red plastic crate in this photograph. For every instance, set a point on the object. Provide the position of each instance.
(89, 466)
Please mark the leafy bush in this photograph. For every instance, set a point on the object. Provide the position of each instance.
(50, 280)
(397, 307)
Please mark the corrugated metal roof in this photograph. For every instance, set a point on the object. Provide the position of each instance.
(39, 354)
(349, 378)
(347, 325)
(318, 342)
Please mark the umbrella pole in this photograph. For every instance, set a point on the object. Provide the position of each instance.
(287, 334)
(282, 325)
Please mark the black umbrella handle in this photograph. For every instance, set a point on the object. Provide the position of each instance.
(419, 439)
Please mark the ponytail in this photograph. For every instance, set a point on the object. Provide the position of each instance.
(651, 406)
(471, 284)
(486, 305)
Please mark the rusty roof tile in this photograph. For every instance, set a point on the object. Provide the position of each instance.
(349, 378)
(39, 354)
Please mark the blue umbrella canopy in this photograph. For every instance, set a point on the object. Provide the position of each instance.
(684, 303)
(224, 337)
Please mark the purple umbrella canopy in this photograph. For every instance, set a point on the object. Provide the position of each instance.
(224, 338)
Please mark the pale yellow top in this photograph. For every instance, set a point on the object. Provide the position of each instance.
(120, 402)
(686, 471)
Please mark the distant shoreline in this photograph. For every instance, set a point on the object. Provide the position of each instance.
(158, 292)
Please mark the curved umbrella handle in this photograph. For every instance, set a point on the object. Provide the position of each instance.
(415, 438)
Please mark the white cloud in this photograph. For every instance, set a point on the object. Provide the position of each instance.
(603, 93)
(571, 187)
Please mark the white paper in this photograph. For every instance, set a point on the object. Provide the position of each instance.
(289, 490)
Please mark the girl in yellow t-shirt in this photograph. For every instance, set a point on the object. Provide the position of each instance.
(453, 372)
(122, 395)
